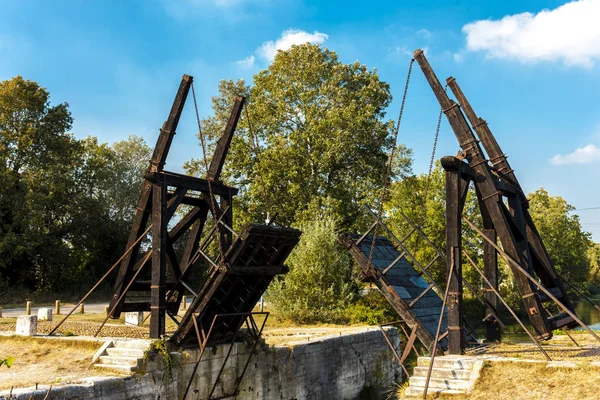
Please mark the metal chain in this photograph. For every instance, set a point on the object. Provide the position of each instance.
(204, 151)
(389, 166)
(431, 161)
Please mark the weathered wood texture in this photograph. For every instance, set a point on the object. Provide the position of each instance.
(541, 262)
(456, 188)
(236, 285)
(156, 202)
(401, 285)
(512, 241)
(143, 209)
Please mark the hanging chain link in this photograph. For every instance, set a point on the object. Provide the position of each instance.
(204, 151)
(431, 161)
(389, 166)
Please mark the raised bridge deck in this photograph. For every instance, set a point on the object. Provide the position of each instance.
(235, 285)
(406, 290)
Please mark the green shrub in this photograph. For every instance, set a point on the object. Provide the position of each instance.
(8, 361)
(372, 309)
(320, 284)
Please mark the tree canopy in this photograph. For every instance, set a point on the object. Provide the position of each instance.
(61, 217)
(314, 137)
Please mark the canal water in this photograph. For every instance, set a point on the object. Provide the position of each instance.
(588, 314)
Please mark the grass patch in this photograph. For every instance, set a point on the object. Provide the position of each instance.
(45, 361)
(529, 381)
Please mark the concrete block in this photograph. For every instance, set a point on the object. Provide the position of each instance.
(26, 325)
(134, 318)
(44, 314)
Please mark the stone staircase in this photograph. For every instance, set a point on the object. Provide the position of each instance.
(450, 375)
(125, 356)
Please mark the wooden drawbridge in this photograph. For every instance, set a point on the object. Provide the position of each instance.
(400, 278)
(404, 288)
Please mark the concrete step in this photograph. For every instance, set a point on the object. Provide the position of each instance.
(124, 352)
(443, 373)
(139, 344)
(113, 360)
(418, 391)
(453, 384)
(127, 369)
(447, 362)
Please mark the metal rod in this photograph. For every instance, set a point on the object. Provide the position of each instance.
(487, 281)
(146, 257)
(202, 347)
(441, 255)
(101, 280)
(258, 335)
(224, 362)
(393, 349)
(535, 282)
(437, 332)
(566, 331)
(579, 291)
(418, 264)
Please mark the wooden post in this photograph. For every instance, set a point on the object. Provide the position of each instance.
(28, 308)
(542, 264)
(456, 185)
(184, 303)
(141, 213)
(491, 197)
(82, 308)
(159, 260)
(57, 307)
(493, 330)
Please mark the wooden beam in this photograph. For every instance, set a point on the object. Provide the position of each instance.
(159, 261)
(541, 262)
(456, 189)
(493, 331)
(190, 183)
(142, 212)
(218, 159)
(491, 193)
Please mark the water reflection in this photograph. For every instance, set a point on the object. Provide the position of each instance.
(588, 314)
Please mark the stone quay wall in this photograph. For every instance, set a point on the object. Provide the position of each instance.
(336, 367)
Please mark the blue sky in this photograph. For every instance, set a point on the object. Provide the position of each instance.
(534, 77)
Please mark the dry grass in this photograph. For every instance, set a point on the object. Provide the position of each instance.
(532, 381)
(46, 361)
(560, 347)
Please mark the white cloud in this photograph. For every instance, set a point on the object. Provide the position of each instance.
(569, 33)
(582, 155)
(287, 39)
(405, 51)
(424, 33)
(247, 62)
(458, 57)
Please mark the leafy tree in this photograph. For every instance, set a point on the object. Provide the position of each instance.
(561, 232)
(63, 201)
(37, 158)
(130, 161)
(594, 258)
(320, 283)
(321, 138)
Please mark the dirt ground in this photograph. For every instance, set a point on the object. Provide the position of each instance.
(559, 348)
(46, 361)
